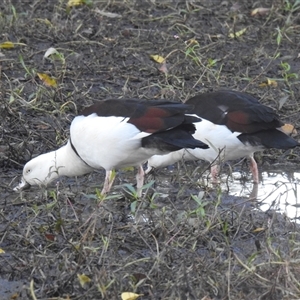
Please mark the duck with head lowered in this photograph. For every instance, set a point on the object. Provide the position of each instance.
(234, 125)
(113, 134)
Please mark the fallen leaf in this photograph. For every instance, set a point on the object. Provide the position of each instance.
(50, 51)
(159, 59)
(109, 39)
(268, 82)
(259, 229)
(50, 237)
(75, 3)
(107, 14)
(47, 80)
(83, 279)
(45, 21)
(282, 101)
(1, 251)
(289, 129)
(42, 126)
(191, 42)
(130, 296)
(260, 11)
(14, 296)
(77, 246)
(7, 45)
(163, 68)
(237, 33)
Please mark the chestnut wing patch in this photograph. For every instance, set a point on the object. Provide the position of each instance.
(254, 119)
(239, 111)
(241, 122)
(156, 119)
(148, 116)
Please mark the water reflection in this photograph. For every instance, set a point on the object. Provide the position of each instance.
(278, 191)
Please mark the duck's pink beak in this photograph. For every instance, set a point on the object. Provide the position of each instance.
(23, 185)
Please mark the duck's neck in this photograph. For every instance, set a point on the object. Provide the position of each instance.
(68, 163)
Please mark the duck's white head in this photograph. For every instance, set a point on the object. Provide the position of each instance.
(41, 170)
(45, 168)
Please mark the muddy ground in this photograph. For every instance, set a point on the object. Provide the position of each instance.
(184, 239)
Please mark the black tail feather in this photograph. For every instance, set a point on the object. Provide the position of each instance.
(272, 138)
(173, 140)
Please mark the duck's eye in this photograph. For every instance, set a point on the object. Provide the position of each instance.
(28, 171)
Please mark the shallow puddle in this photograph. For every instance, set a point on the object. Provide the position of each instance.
(278, 191)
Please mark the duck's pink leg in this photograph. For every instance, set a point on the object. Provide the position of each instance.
(108, 182)
(214, 172)
(254, 169)
(254, 192)
(140, 180)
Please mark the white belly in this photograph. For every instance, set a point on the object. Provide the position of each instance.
(224, 145)
(108, 142)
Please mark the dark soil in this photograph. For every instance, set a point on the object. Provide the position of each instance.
(167, 245)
